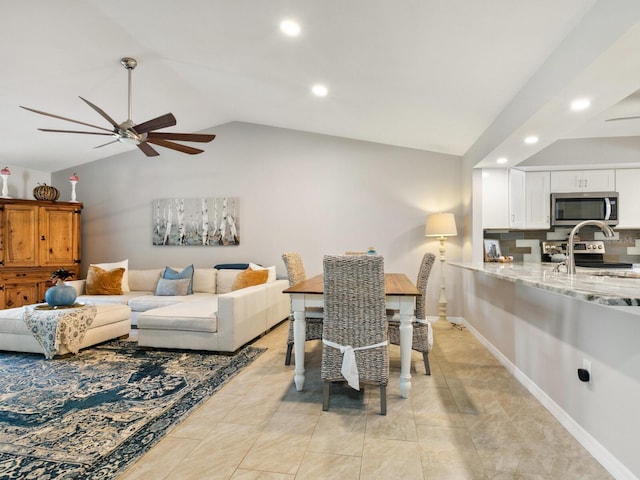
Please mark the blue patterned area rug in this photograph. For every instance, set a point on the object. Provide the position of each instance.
(91, 415)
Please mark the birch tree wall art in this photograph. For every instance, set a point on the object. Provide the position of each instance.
(196, 221)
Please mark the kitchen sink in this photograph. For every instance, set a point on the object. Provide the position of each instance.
(616, 273)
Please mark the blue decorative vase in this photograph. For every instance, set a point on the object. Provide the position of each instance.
(61, 295)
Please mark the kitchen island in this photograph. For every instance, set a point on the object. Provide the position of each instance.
(545, 325)
(619, 287)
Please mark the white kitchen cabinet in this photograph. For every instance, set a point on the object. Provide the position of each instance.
(515, 199)
(495, 198)
(627, 186)
(517, 204)
(583, 181)
(538, 200)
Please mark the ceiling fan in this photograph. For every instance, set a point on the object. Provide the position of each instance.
(622, 118)
(140, 135)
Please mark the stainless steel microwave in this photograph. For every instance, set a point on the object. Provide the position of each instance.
(572, 208)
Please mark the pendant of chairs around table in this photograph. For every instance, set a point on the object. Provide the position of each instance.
(357, 309)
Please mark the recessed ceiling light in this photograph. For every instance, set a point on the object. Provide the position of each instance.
(319, 90)
(580, 104)
(290, 27)
(501, 160)
(531, 139)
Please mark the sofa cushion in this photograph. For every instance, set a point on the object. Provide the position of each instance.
(110, 299)
(104, 282)
(142, 303)
(144, 280)
(225, 279)
(166, 286)
(249, 278)
(12, 321)
(194, 316)
(122, 264)
(187, 272)
(204, 280)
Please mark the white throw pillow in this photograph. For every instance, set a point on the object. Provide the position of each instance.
(272, 271)
(225, 279)
(123, 264)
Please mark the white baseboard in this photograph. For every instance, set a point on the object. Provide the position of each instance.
(617, 469)
(456, 320)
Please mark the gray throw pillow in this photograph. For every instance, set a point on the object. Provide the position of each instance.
(169, 287)
(187, 272)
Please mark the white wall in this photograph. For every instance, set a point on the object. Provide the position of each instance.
(22, 181)
(299, 191)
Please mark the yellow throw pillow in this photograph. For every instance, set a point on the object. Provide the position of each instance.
(249, 278)
(104, 282)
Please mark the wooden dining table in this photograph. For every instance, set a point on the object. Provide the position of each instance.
(400, 295)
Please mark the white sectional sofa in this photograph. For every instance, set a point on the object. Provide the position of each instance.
(212, 318)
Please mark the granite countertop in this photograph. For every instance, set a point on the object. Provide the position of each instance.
(615, 287)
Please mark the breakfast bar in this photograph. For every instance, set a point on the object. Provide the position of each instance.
(543, 325)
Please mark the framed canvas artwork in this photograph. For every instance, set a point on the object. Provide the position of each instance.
(196, 221)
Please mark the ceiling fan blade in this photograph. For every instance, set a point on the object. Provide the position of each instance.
(105, 144)
(174, 146)
(101, 112)
(166, 120)
(622, 118)
(148, 150)
(74, 131)
(67, 119)
(185, 137)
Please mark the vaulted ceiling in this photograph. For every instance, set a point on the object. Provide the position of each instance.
(454, 76)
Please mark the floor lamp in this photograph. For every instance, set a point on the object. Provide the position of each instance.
(441, 225)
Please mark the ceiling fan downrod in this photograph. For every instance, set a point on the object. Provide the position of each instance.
(129, 63)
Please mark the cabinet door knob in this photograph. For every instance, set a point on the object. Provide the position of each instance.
(42, 238)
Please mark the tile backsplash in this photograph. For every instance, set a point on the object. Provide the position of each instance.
(524, 245)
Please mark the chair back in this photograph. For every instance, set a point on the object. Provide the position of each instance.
(423, 277)
(355, 315)
(295, 267)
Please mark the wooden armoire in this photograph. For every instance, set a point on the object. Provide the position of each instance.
(36, 238)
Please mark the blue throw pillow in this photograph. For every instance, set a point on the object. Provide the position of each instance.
(231, 266)
(170, 274)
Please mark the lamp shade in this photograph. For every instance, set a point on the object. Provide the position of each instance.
(441, 225)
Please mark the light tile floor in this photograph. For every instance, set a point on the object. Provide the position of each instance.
(469, 420)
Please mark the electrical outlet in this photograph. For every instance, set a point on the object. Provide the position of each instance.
(586, 365)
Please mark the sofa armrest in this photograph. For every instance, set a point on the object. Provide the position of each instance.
(78, 285)
(242, 316)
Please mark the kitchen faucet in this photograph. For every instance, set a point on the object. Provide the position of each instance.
(571, 261)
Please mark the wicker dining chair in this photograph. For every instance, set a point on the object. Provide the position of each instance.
(296, 274)
(355, 322)
(422, 329)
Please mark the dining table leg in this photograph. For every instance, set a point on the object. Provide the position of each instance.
(299, 338)
(406, 341)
